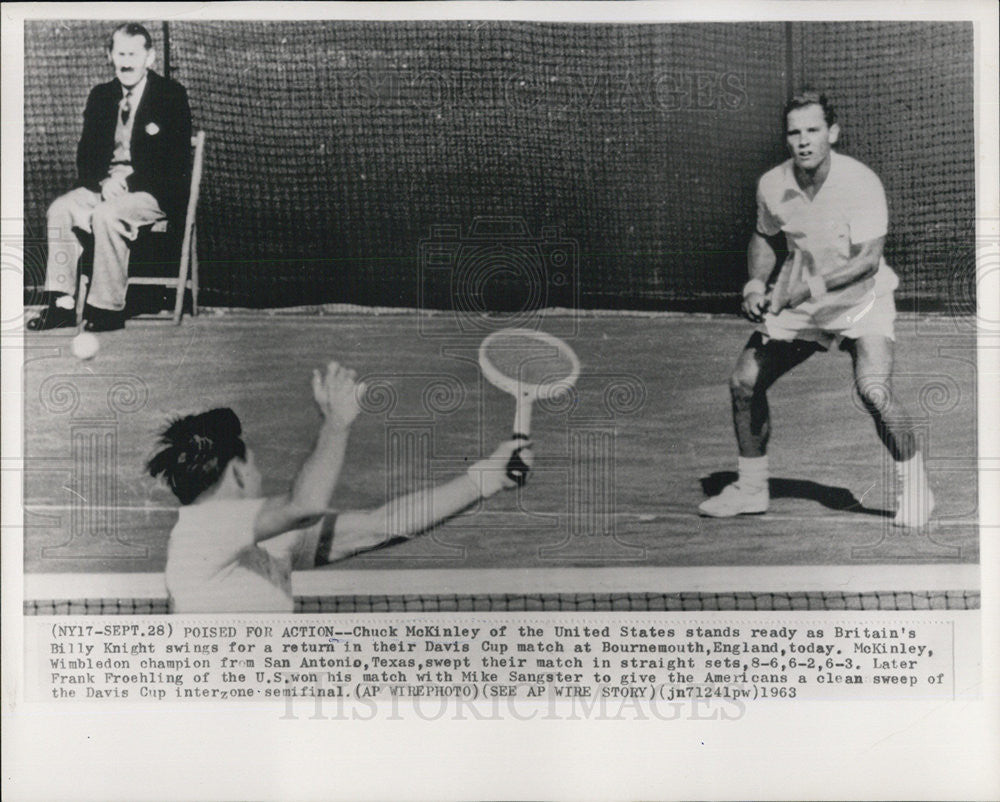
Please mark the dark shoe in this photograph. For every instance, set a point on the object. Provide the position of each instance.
(53, 317)
(103, 319)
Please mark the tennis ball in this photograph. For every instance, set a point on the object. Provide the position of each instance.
(85, 345)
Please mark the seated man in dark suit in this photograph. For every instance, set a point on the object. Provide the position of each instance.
(133, 163)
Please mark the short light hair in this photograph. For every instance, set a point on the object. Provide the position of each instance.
(131, 29)
(810, 97)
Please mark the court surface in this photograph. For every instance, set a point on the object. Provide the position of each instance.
(620, 467)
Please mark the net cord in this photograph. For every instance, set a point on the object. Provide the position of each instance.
(849, 580)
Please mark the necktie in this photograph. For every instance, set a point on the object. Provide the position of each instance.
(126, 107)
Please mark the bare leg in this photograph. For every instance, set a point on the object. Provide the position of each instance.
(758, 367)
(872, 356)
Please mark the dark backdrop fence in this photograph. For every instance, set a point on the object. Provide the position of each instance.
(335, 149)
(905, 93)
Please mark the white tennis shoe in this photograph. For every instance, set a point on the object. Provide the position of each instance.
(735, 500)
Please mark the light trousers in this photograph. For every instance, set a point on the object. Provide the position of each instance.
(114, 223)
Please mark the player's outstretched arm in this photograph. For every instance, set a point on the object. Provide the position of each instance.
(417, 512)
(336, 394)
(761, 259)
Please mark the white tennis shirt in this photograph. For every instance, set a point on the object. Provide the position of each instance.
(849, 209)
(214, 565)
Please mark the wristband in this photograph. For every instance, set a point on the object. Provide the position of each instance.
(817, 287)
(754, 285)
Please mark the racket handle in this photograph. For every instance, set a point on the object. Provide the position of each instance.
(522, 417)
(517, 468)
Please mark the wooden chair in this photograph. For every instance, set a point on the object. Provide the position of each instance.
(187, 273)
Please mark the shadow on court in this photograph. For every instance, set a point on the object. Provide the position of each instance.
(833, 498)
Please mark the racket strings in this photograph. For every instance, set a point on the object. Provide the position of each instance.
(527, 360)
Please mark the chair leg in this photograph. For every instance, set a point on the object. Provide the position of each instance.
(194, 271)
(179, 305)
(181, 287)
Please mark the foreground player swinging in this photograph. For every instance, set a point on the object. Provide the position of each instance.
(233, 550)
(833, 214)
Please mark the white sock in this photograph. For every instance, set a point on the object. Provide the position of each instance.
(66, 302)
(753, 473)
(912, 470)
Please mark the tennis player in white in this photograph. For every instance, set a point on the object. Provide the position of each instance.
(832, 211)
(233, 550)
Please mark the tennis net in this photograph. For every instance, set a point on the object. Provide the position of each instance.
(933, 587)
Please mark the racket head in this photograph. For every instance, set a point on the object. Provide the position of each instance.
(528, 364)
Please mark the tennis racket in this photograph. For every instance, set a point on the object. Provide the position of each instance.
(791, 271)
(531, 366)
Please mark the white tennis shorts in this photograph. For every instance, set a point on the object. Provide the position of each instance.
(872, 315)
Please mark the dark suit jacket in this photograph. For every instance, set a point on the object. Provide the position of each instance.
(160, 147)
